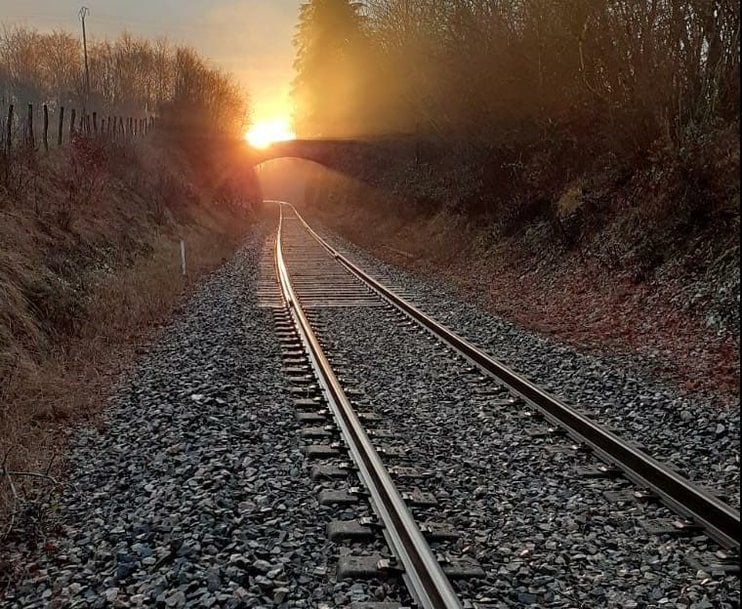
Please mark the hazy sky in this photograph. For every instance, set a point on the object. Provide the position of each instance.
(250, 38)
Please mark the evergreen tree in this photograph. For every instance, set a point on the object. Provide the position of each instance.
(331, 51)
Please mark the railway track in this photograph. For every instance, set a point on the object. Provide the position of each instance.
(312, 276)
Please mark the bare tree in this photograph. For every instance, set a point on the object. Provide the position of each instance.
(129, 76)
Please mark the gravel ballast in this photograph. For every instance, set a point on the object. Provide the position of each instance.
(194, 492)
(544, 536)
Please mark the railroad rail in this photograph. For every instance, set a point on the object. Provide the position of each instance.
(425, 579)
(720, 521)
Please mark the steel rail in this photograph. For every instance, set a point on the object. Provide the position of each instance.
(720, 520)
(428, 584)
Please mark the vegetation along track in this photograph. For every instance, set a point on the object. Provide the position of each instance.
(312, 273)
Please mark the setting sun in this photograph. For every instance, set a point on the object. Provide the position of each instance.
(264, 133)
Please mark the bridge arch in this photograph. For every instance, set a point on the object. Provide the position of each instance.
(289, 178)
(364, 159)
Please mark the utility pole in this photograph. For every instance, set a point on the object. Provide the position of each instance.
(84, 12)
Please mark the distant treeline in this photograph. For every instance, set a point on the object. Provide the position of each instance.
(617, 73)
(129, 76)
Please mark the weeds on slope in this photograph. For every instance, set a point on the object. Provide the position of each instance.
(89, 268)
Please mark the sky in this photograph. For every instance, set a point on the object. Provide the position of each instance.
(249, 38)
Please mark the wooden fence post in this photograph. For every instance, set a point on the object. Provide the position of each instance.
(72, 123)
(46, 128)
(121, 127)
(95, 123)
(30, 126)
(60, 127)
(9, 133)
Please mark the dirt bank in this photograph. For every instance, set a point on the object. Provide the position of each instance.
(636, 259)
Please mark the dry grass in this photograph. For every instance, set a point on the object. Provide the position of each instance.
(87, 275)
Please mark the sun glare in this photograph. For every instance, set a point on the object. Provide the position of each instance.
(264, 133)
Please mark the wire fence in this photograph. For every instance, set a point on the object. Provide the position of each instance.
(46, 126)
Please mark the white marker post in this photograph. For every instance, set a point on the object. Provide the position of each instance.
(182, 257)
